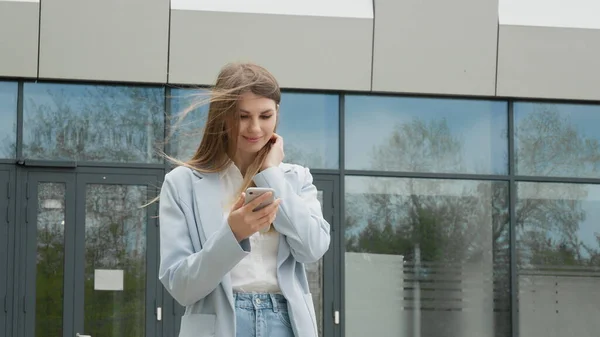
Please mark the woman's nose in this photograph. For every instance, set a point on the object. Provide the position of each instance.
(254, 125)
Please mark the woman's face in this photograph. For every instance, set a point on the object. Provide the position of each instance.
(258, 118)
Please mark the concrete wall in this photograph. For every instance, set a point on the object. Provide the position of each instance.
(19, 28)
(549, 49)
(509, 48)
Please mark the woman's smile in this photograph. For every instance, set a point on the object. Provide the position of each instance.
(252, 139)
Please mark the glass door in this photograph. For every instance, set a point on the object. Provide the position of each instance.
(90, 255)
(116, 256)
(320, 273)
(47, 226)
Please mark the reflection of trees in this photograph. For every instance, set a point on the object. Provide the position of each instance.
(50, 260)
(105, 123)
(116, 240)
(8, 147)
(187, 131)
(449, 232)
(451, 223)
(549, 144)
(296, 155)
(420, 146)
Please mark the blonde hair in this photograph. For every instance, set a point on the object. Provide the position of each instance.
(219, 140)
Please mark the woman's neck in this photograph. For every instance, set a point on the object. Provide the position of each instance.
(243, 161)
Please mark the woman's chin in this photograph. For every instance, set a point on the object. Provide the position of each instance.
(252, 149)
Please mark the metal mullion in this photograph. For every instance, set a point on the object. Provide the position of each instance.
(339, 239)
(512, 204)
(20, 105)
(426, 175)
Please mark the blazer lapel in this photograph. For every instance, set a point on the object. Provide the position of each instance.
(208, 194)
(207, 198)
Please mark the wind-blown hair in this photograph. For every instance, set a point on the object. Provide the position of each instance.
(219, 140)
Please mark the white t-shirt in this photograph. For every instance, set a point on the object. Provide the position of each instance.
(257, 272)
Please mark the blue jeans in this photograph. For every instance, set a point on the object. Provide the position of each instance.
(262, 315)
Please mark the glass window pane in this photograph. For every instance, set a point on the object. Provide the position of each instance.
(413, 134)
(558, 259)
(8, 120)
(309, 125)
(426, 257)
(93, 123)
(115, 247)
(185, 135)
(50, 259)
(557, 139)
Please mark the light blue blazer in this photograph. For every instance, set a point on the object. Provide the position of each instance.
(198, 248)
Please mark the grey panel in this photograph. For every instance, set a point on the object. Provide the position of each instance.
(112, 40)
(301, 51)
(19, 27)
(545, 62)
(438, 46)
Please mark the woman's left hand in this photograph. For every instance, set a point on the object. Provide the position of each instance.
(276, 155)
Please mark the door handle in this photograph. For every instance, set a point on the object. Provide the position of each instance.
(80, 335)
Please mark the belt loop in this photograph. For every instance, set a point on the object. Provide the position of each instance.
(274, 301)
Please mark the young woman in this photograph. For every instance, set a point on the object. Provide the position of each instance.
(238, 272)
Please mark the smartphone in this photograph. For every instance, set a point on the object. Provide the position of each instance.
(255, 192)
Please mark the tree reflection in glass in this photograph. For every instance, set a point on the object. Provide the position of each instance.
(432, 254)
(8, 119)
(115, 239)
(50, 259)
(93, 123)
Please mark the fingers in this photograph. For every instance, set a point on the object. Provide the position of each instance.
(239, 203)
(266, 220)
(268, 212)
(278, 139)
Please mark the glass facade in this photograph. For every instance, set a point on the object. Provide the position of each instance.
(8, 119)
(408, 134)
(92, 123)
(557, 140)
(558, 258)
(458, 217)
(308, 123)
(426, 257)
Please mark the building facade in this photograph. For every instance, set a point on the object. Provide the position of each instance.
(455, 147)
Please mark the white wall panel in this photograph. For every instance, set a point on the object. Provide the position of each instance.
(111, 40)
(543, 62)
(550, 13)
(437, 46)
(335, 8)
(302, 51)
(19, 28)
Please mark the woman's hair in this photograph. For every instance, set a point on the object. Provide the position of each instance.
(219, 140)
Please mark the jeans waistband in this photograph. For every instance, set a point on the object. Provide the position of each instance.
(260, 301)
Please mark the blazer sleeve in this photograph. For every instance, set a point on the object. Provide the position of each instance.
(299, 217)
(187, 275)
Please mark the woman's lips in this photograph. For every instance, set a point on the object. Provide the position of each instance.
(252, 140)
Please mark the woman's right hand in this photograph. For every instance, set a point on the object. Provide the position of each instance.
(244, 222)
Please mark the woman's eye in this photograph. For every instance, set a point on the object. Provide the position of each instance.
(243, 117)
(266, 117)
